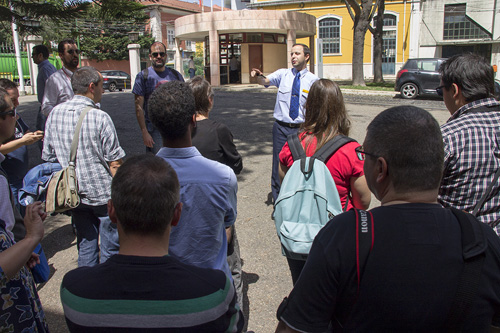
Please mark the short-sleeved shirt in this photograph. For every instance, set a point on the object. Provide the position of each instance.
(472, 156)
(45, 70)
(21, 310)
(343, 165)
(283, 79)
(208, 196)
(154, 79)
(409, 280)
(16, 163)
(98, 145)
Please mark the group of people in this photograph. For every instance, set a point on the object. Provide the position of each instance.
(400, 266)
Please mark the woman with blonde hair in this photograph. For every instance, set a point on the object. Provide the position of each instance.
(326, 117)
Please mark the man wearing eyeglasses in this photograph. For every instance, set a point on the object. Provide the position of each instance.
(58, 85)
(471, 138)
(145, 83)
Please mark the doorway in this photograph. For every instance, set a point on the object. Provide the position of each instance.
(255, 60)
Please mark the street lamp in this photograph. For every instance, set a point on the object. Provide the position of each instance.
(133, 36)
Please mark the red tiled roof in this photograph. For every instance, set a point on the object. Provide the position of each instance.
(193, 7)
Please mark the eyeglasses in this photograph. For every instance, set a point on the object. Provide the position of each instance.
(72, 51)
(156, 54)
(12, 112)
(361, 153)
(439, 91)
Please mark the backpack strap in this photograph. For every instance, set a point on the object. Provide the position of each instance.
(364, 241)
(145, 73)
(473, 251)
(296, 148)
(329, 148)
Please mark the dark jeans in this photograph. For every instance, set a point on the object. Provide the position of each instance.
(234, 261)
(279, 138)
(296, 267)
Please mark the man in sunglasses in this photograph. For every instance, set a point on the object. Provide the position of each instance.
(58, 85)
(145, 83)
(471, 138)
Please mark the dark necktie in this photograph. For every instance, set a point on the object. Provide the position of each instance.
(295, 98)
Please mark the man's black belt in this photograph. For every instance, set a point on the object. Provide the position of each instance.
(291, 125)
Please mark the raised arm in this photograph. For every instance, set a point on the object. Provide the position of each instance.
(261, 79)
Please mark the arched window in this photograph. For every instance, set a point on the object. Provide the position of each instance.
(329, 32)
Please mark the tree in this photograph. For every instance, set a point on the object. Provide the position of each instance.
(361, 14)
(378, 43)
(23, 12)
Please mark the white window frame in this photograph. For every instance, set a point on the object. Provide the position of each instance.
(339, 18)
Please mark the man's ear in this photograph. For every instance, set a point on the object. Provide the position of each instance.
(177, 214)
(382, 170)
(193, 120)
(112, 212)
(456, 90)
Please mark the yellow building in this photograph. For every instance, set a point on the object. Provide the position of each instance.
(334, 29)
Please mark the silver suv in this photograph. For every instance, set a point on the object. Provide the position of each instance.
(418, 76)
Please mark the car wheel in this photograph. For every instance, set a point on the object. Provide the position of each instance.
(112, 86)
(409, 90)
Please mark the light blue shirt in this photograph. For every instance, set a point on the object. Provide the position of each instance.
(45, 70)
(283, 79)
(208, 196)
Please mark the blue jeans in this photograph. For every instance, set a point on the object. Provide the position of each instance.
(279, 138)
(89, 222)
(191, 73)
(155, 134)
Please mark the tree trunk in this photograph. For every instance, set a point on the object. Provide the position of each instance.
(378, 44)
(357, 55)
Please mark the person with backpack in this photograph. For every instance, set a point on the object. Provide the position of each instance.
(144, 85)
(326, 120)
(408, 265)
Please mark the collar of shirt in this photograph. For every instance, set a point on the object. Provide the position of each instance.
(178, 152)
(43, 63)
(302, 72)
(84, 100)
(490, 101)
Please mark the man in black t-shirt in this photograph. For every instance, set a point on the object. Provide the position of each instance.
(412, 272)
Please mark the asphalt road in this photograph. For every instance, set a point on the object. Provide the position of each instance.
(248, 113)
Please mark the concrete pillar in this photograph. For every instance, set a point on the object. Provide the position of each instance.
(178, 57)
(291, 37)
(135, 61)
(30, 42)
(312, 56)
(214, 58)
(155, 24)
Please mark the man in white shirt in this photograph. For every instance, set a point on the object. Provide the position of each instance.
(58, 85)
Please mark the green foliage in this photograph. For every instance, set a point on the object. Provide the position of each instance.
(25, 11)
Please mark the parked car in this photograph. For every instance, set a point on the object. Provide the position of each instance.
(418, 76)
(115, 80)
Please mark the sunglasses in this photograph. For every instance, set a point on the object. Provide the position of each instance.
(361, 153)
(11, 112)
(156, 54)
(439, 91)
(73, 51)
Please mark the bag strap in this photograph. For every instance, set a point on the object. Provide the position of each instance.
(473, 251)
(486, 193)
(145, 73)
(76, 135)
(364, 241)
(296, 148)
(331, 147)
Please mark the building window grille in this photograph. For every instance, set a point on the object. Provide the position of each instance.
(457, 25)
(329, 32)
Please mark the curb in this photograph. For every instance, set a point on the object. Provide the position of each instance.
(259, 88)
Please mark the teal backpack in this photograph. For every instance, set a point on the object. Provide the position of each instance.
(308, 197)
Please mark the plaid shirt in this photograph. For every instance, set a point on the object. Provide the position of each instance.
(472, 156)
(98, 145)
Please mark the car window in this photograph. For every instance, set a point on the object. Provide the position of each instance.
(428, 65)
(411, 64)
